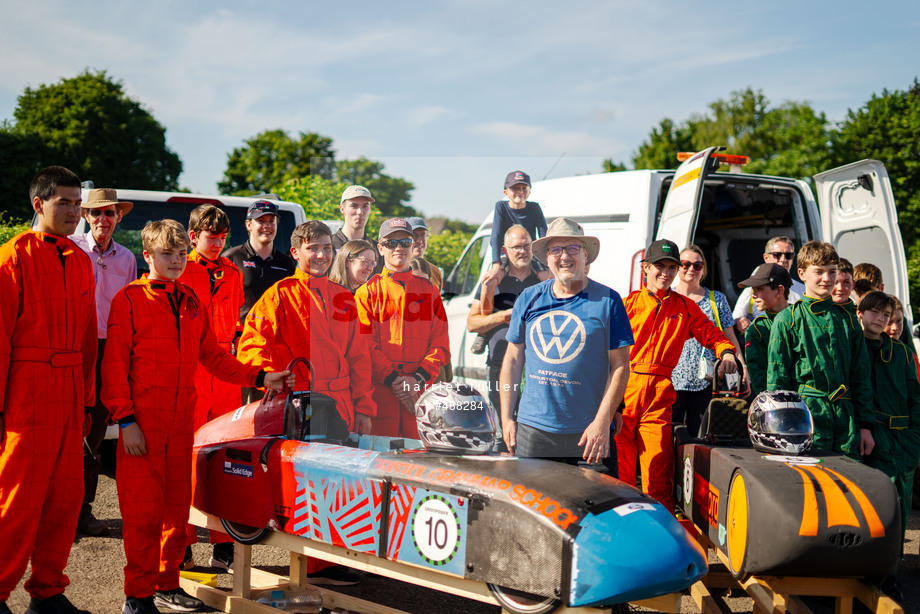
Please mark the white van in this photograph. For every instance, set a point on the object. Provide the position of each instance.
(730, 215)
(150, 205)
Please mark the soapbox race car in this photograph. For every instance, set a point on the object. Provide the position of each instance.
(772, 514)
(539, 533)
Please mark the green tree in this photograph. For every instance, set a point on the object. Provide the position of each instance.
(609, 166)
(445, 249)
(21, 156)
(272, 157)
(887, 128)
(791, 140)
(320, 198)
(88, 124)
(9, 228)
(391, 194)
(663, 145)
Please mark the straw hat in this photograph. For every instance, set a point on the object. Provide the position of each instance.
(103, 197)
(564, 227)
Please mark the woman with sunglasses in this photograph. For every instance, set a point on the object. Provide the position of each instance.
(354, 264)
(694, 392)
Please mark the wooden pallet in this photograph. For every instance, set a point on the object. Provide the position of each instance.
(782, 594)
(247, 580)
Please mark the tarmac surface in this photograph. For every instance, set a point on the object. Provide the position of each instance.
(96, 563)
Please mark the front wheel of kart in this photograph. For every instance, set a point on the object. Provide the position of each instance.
(244, 533)
(519, 602)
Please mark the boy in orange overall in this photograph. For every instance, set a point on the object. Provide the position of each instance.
(403, 318)
(157, 334)
(308, 315)
(47, 368)
(218, 284)
(661, 320)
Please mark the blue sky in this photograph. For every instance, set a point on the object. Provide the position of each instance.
(453, 95)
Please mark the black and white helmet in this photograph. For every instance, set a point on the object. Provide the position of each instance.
(779, 421)
(454, 418)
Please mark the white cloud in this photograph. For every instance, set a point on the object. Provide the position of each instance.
(541, 141)
(423, 115)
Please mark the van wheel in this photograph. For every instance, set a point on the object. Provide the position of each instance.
(519, 602)
(244, 533)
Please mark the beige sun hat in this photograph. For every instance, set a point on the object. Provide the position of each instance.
(103, 197)
(564, 227)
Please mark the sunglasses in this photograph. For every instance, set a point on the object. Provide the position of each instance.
(778, 255)
(394, 243)
(571, 250)
(98, 212)
(686, 265)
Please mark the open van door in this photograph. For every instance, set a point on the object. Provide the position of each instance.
(858, 216)
(682, 205)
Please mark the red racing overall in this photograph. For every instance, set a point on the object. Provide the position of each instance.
(157, 335)
(219, 287)
(314, 318)
(47, 368)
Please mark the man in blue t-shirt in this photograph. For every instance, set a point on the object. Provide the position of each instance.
(574, 336)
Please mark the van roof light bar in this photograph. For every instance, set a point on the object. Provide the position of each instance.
(734, 161)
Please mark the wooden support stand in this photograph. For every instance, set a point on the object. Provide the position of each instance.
(246, 579)
(781, 594)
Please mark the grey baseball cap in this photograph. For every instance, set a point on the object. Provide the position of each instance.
(394, 225)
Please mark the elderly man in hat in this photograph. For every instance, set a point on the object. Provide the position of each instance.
(114, 267)
(405, 322)
(573, 335)
(662, 320)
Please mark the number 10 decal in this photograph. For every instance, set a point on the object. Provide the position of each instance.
(436, 530)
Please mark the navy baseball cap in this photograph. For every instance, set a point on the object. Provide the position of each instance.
(416, 223)
(516, 177)
(261, 207)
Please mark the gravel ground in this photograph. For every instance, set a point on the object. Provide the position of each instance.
(95, 570)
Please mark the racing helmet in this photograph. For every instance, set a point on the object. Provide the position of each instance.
(779, 421)
(455, 419)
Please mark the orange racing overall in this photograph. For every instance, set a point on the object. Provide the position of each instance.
(47, 372)
(660, 325)
(157, 334)
(404, 318)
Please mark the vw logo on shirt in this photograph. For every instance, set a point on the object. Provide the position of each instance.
(558, 337)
